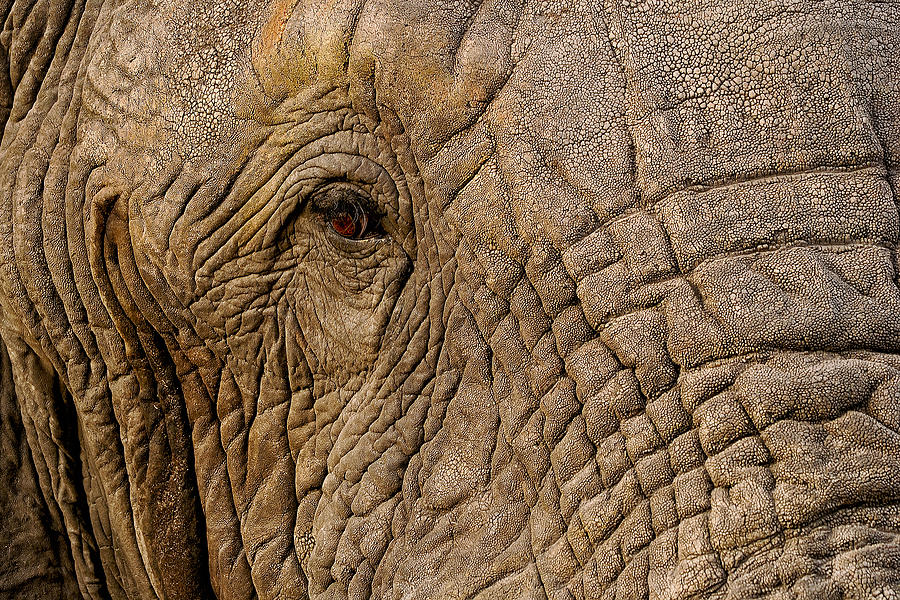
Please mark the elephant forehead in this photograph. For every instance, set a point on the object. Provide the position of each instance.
(159, 71)
(710, 92)
(204, 84)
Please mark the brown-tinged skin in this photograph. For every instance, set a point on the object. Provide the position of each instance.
(625, 325)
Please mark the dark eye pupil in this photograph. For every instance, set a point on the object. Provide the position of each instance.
(350, 221)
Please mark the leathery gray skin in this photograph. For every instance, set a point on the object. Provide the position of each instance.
(628, 327)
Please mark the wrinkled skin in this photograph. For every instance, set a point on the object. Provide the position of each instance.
(626, 323)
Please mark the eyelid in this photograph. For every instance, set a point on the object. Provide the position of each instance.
(331, 195)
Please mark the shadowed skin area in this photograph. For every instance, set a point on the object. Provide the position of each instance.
(414, 300)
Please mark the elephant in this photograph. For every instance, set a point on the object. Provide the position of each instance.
(431, 299)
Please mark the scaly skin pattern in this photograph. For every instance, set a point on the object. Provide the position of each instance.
(628, 326)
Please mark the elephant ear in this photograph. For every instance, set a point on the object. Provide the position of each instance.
(48, 544)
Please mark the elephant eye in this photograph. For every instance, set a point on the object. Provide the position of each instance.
(347, 211)
(351, 220)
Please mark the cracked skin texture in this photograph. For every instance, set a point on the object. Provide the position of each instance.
(629, 327)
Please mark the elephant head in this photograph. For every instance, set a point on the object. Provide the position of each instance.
(420, 299)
